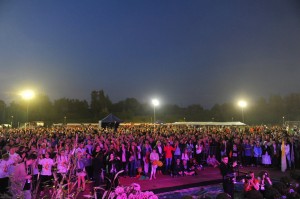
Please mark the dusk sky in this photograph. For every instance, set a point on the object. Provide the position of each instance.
(182, 52)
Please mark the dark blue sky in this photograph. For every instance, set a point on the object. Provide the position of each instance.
(183, 52)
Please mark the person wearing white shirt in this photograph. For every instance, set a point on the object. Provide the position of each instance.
(14, 158)
(288, 154)
(185, 155)
(154, 157)
(5, 163)
(62, 161)
(46, 173)
(81, 148)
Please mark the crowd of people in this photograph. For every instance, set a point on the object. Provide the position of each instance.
(32, 158)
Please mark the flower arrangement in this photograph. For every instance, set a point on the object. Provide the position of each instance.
(131, 192)
(124, 192)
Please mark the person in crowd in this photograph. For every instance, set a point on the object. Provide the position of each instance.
(205, 148)
(35, 175)
(43, 148)
(160, 150)
(223, 148)
(257, 152)
(275, 154)
(113, 164)
(168, 149)
(227, 172)
(154, 158)
(264, 182)
(292, 152)
(212, 161)
(190, 147)
(199, 151)
(68, 150)
(185, 155)
(89, 147)
(23, 155)
(251, 183)
(5, 163)
(46, 173)
(81, 149)
(13, 157)
(62, 161)
(124, 154)
(22, 178)
(98, 156)
(195, 165)
(283, 166)
(132, 159)
(177, 168)
(212, 146)
(247, 149)
(177, 150)
(187, 169)
(146, 150)
(266, 151)
(240, 152)
(80, 170)
(288, 154)
(88, 165)
(234, 152)
(113, 167)
(138, 163)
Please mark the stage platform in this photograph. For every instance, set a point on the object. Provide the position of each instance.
(166, 183)
(208, 176)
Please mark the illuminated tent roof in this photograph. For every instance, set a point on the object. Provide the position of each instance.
(110, 121)
(210, 123)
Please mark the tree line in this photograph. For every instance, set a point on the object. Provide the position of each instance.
(273, 110)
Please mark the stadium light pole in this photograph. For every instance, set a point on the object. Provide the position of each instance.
(27, 95)
(155, 103)
(243, 104)
(282, 120)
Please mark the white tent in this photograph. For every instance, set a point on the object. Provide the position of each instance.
(210, 123)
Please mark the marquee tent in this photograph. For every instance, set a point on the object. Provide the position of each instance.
(210, 123)
(110, 121)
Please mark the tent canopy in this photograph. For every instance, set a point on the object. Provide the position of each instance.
(111, 121)
(211, 123)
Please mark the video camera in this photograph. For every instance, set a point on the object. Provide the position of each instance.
(248, 177)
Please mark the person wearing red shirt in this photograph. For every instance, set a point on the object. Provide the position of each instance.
(251, 183)
(168, 149)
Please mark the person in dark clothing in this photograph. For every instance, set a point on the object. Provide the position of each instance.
(177, 168)
(227, 172)
(98, 165)
(112, 164)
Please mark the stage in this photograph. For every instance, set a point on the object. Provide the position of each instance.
(166, 183)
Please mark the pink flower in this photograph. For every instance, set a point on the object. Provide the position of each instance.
(136, 186)
(119, 190)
